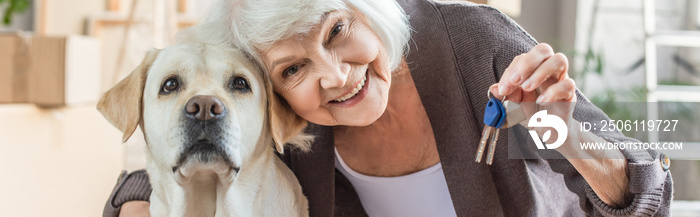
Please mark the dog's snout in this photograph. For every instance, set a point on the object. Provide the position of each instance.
(205, 107)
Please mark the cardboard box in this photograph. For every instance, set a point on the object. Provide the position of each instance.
(49, 71)
(12, 82)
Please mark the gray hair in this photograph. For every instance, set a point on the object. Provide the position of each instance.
(254, 25)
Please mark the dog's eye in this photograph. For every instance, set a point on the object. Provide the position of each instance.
(240, 84)
(170, 85)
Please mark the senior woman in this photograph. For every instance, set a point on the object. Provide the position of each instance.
(396, 131)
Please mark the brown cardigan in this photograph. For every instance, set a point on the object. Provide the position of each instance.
(457, 51)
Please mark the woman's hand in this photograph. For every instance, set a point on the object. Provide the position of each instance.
(135, 209)
(540, 75)
(538, 68)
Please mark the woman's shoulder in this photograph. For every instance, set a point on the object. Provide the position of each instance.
(462, 17)
(478, 30)
(445, 8)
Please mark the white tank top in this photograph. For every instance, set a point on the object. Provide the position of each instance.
(423, 193)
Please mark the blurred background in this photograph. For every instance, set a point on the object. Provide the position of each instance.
(60, 157)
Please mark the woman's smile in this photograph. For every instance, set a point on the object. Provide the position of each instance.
(354, 95)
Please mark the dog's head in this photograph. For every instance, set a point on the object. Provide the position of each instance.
(201, 105)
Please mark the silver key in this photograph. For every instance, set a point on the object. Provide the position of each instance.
(492, 146)
(485, 135)
(493, 115)
(514, 114)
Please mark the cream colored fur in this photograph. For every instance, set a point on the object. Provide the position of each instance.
(256, 121)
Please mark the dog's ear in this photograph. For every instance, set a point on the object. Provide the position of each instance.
(121, 105)
(286, 126)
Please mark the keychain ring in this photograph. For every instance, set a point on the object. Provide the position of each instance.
(488, 92)
(490, 95)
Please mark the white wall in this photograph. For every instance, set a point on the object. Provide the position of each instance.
(550, 21)
(56, 162)
(65, 17)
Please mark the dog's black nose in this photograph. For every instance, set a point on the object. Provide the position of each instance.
(205, 107)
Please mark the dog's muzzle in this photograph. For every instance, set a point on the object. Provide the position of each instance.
(205, 108)
(204, 125)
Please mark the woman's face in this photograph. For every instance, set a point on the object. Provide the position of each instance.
(336, 74)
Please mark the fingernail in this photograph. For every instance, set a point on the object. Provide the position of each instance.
(540, 99)
(526, 85)
(502, 89)
(515, 79)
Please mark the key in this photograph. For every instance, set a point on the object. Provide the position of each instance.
(492, 147)
(514, 114)
(497, 115)
(485, 135)
(494, 135)
(494, 118)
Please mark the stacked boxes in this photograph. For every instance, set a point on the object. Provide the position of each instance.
(49, 71)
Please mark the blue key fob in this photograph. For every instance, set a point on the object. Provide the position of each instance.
(493, 114)
(502, 119)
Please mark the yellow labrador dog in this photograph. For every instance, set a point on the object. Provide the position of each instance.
(210, 130)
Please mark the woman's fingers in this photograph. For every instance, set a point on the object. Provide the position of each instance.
(523, 66)
(135, 209)
(515, 96)
(555, 67)
(562, 91)
(539, 68)
(504, 85)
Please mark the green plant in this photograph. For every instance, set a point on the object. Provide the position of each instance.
(13, 6)
(625, 103)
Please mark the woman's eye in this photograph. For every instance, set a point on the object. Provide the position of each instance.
(336, 29)
(170, 85)
(240, 84)
(291, 70)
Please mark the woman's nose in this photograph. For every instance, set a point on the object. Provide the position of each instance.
(335, 75)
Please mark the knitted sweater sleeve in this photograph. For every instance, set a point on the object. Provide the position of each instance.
(499, 38)
(132, 186)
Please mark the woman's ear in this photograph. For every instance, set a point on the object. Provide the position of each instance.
(286, 126)
(121, 105)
